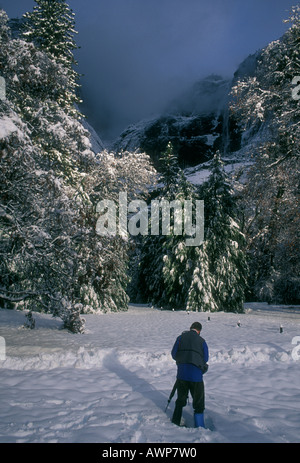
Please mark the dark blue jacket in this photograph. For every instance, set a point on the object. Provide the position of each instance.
(191, 354)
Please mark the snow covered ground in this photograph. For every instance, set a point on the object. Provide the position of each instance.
(111, 384)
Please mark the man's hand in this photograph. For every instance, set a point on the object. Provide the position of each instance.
(205, 368)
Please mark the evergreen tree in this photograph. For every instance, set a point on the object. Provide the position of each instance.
(270, 195)
(178, 259)
(51, 27)
(169, 169)
(150, 277)
(131, 173)
(200, 296)
(220, 272)
(155, 248)
(4, 29)
(33, 81)
(166, 261)
(50, 182)
(225, 241)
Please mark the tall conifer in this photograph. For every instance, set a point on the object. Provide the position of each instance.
(51, 27)
(224, 242)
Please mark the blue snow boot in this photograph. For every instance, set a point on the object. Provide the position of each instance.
(199, 420)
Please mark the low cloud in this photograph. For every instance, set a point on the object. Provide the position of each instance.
(137, 55)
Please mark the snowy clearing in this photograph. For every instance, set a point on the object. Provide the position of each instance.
(111, 385)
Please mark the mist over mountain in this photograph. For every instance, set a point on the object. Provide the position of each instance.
(136, 56)
(197, 120)
(198, 123)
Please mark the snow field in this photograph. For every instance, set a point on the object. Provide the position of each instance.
(112, 383)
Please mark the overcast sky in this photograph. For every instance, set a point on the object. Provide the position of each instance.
(136, 55)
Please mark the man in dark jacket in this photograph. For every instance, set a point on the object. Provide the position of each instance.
(191, 354)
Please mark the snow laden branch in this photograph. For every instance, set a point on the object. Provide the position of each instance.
(267, 105)
(52, 260)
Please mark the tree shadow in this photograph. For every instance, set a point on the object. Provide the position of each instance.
(138, 384)
(231, 426)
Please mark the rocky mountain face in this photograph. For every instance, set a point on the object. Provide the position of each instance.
(197, 123)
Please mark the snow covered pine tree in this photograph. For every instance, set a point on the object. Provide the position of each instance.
(220, 273)
(51, 27)
(51, 181)
(270, 197)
